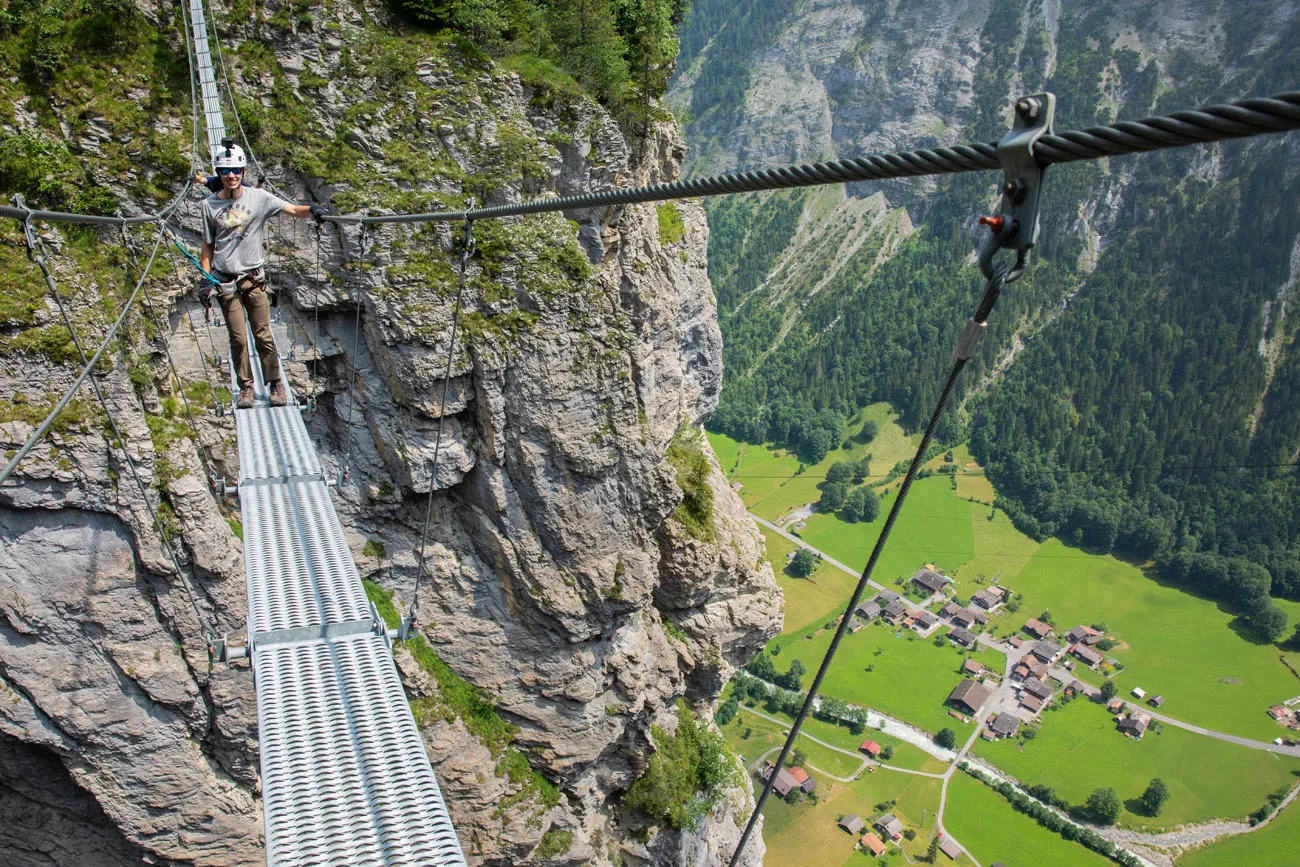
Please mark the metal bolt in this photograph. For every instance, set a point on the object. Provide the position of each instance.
(1014, 189)
(1028, 107)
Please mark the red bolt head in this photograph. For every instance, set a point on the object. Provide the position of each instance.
(994, 223)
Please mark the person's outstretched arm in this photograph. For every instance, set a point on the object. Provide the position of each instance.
(302, 212)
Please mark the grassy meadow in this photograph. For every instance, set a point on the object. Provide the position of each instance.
(982, 819)
(1078, 750)
(1275, 843)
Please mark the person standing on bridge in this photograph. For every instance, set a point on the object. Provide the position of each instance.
(232, 253)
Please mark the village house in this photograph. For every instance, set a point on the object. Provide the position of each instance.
(1037, 688)
(801, 778)
(989, 598)
(1086, 655)
(1134, 725)
(969, 695)
(1005, 725)
(1077, 687)
(884, 597)
(890, 826)
(1115, 705)
(785, 783)
(1015, 641)
(853, 824)
(972, 667)
(868, 610)
(1027, 668)
(895, 611)
(967, 618)
(856, 626)
(1080, 634)
(874, 845)
(949, 609)
(923, 620)
(1037, 628)
(1031, 703)
(871, 748)
(964, 637)
(1045, 651)
(949, 847)
(930, 581)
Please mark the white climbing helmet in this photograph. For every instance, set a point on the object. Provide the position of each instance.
(231, 157)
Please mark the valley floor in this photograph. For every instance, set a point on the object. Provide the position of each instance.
(1211, 741)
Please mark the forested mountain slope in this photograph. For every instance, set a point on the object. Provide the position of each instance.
(1152, 348)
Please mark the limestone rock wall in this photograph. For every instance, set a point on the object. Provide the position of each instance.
(586, 343)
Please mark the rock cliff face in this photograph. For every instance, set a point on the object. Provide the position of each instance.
(560, 583)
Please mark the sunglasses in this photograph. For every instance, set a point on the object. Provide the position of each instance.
(224, 172)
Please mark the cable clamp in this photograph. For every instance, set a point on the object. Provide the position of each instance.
(1016, 227)
(970, 338)
(221, 650)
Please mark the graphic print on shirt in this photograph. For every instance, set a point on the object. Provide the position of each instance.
(235, 217)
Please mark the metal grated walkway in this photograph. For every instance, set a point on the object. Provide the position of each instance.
(345, 778)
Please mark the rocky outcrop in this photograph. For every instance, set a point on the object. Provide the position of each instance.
(584, 345)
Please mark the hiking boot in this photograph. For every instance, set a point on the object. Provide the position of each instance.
(245, 397)
(278, 396)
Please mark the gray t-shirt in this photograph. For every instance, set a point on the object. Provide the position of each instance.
(234, 228)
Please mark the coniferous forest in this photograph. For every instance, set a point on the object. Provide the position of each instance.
(1153, 407)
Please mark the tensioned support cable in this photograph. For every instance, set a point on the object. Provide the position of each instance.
(44, 426)
(1241, 119)
(466, 250)
(1015, 229)
(1247, 117)
(35, 250)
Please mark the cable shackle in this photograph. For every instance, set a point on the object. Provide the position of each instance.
(1016, 226)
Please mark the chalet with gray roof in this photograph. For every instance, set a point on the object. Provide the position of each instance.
(890, 826)
(1086, 655)
(1037, 688)
(930, 581)
(1134, 725)
(868, 610)
(966, 618)
(923, 620)
(1005, 725)
(884, 597)
(853, 824)
(964, 637)
(969, 695)
(949, 847)
(1045, 651)
(1079, 633)
(895, 611)
(949, 609)
(785, 782)
(986, 600)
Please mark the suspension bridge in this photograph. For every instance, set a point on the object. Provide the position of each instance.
(345, 777)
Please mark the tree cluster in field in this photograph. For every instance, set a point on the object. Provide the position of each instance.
(1103, 807)
(803, 563)
(843, 492)
(621, 51)
(687, 773)
(754, 688)
(1139, 422)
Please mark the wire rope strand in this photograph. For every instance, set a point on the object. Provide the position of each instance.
(993, 289)
(157, 324)
(467, 249)
(353, 372)
(37, 250)
(315, 358)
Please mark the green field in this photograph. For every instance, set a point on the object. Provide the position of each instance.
(909, 679)
(803, 834)
(772, 482)
(1180, 646)
(806, 599)
(933, 527)
(1078, 750)
(905, 755)
(1275, 843)
(982, 820)
(765, 735)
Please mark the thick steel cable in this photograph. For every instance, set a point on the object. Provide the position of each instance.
(1247, 117)
(993, 288)
(315, 358)
(467, 250)
(157, 324)
(36, 248)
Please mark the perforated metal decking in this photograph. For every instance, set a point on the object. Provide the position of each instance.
(345, 778)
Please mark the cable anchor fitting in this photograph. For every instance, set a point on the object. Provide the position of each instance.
(1016, 227)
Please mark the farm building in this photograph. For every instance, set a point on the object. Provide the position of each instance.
(890, 826)
(969, 695)
(1139, 692)
(853, 824)
(1031, 703)
(1037, 628)
(785, 782)
(871, 748)
(950, 848)
(930, 581)
(1134, 725)
(874, 845)
(801, 778)
(1005, 725)
(1086, 655)
(1045, 651)
(970, 666)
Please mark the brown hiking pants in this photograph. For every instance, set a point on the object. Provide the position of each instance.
(259, 319)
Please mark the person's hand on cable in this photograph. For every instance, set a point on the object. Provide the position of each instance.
(203, 289)
(318, 212)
